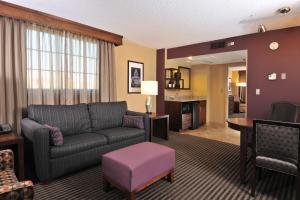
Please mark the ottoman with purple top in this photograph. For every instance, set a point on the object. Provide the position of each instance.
(133, 168)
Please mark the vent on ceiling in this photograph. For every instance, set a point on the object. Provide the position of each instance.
(217, 45)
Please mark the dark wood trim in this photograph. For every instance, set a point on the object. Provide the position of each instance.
(160, 77)
(44, 19)
(128, 75)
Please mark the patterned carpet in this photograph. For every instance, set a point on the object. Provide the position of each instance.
(205, 169)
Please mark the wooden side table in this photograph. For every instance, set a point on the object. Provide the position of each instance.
(16, 143)
(159, 126)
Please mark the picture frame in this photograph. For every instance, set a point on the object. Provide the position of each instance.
(229, 85)
(135, 76)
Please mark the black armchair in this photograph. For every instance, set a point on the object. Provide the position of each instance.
(284, 112)
(276, 147)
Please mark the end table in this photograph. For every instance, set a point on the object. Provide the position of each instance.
(16, 143)
(159, 126)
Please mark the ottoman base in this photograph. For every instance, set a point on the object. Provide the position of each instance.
(132, 195)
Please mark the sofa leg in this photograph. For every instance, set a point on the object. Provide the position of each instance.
(171, 176)
(131, 196)
(106, 185)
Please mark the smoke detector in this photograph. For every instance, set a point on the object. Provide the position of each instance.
(284, 10)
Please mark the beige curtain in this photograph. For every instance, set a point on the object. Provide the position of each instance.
(62, 68)
(12, 71)
(107, 68)
(39, 65)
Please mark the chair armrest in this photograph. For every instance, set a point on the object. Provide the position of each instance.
(146, 122)
(24, 190)
(38, 135)
(7, 159)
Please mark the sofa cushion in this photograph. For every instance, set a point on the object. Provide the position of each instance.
(78, 143)
(70, 119)
(107, 115)
(121, 133)
(56, 136)
(132, 121)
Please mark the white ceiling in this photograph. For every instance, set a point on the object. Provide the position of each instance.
(213, 59)
(170, 23)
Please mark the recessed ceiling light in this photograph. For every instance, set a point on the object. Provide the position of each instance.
(190, 58)
(284, 10)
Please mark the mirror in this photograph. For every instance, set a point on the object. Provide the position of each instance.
(186, 77)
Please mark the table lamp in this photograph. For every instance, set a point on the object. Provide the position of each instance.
(149, 88)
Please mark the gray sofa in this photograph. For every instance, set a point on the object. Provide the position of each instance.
(89, 131)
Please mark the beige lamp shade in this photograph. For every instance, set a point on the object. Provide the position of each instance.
(149, 87)
(241, 84)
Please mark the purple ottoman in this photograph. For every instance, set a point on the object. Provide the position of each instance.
(133, 168)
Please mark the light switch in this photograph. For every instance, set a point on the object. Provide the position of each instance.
(257, 91)
(283, 76)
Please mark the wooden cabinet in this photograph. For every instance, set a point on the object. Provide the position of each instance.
(182, 114)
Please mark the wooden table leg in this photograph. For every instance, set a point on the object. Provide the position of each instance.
(106, 185)
(151, 130)
(243, 154)
(171, 176)
(21, 160)
(131, 196)
(167, 131)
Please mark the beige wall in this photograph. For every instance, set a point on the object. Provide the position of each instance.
(211, 81)
(234, 81)
(217, 94)
(200, 75)
(134, 52)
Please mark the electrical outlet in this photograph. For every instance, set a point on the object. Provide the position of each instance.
(283, 76)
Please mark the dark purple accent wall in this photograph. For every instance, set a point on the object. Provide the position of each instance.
(261, 61)
(160, 77)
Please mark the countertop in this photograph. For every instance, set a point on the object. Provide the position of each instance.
(180, 99)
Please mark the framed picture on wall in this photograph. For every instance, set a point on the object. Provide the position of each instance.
(229, 85)
(135, 76)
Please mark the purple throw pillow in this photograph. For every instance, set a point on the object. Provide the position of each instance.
(56, 136)
(132, 121)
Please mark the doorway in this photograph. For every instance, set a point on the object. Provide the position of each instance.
(210, 80)
(237, 91)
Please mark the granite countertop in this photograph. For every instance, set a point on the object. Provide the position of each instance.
(185, 99)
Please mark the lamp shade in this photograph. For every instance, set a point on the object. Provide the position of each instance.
(149, 87)
(241, 84)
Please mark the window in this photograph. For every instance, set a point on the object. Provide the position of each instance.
(58, 60)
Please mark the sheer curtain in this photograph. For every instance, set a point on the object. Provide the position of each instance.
(12, 71)
(62, 68)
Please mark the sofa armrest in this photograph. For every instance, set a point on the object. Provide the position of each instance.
(38, 135)
(146, 122)
(24, 190)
